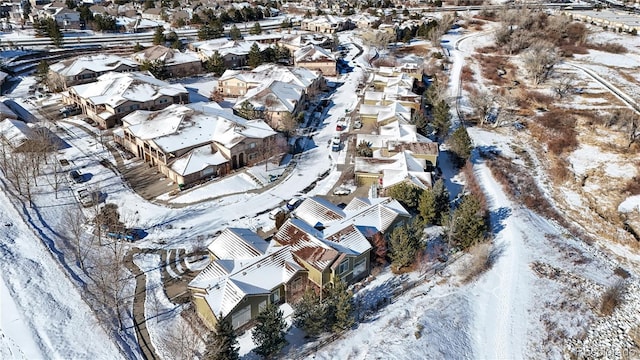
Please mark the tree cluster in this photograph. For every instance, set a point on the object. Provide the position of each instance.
(333, 312)
(215, 64)
(467, 224)
(460, 145)
(222, 343)
(405, 243)
(156, 67)
(49, 28)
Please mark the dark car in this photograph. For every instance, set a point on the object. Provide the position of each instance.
(75, 176)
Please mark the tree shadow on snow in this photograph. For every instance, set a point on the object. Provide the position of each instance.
(480, 153)
(497, 218)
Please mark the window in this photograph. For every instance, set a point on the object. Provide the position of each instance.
(275, 296)
(359, 267)
(241, 317)
(207, 171)
(262, 306)
(252, 156)
(252, 145)
(343, 267)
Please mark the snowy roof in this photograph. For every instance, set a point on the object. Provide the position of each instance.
(306, 243)
(395, 169)
(370, 215)
(197, 160)
(227, 282)
(97, 63)
(163, 53)
(273, 96)
(263, 73)
(400, 79)
(318, 211)
(238, 244)
(392, 133)
(312, 53)
(115, 88)
(385, 112)
(227, 47)
(180, 127)
(15, 132)
(263, 37)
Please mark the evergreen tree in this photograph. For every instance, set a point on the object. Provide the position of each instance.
(441, 200)
(215, 64)
(441, 117)
(427, 207)
(247, 111)
(405, 242)
(467, 225)
(254, 58)
(268, 334)
(420, 121)
(460, 145)
(340, 312)
(234, 33)
(42, 72)
(138, 47)
(156, 68)
(256, 29)
(408, 195)
(148, 4)
(222, 344)
(176, 4)
(310, 314)
(26, 10)
(158, 36)
(211, 30)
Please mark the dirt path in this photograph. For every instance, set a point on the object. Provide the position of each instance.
(139, 318)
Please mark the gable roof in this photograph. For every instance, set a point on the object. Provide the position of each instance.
(197, 160)
(163, 53)
(238, 244)
(318, 211)
(312, 53)
(15, 132)
(96, 63)
(306, 244)
(227, 282)
(263, 73)
(115, 88)
(273, 96)
(395, 169)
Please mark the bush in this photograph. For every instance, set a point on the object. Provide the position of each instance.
(611, 298)
(613, 48)
(482, 259)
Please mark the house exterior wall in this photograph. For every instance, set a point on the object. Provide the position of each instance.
(234, 87)
(328, 68)
(184, 69)
(204, 311)
(349, 276)
(367, 179)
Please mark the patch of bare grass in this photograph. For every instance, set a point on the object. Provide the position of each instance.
(466, 74)
(613, 48)
(633, 186)
(495, 68)
(483, 256)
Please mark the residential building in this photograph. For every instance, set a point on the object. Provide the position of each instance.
(84, 69)
(116, 95)
(315, 58)
(235, 83)
(237, 290)
(386, 172)
(333, 243)
(327, 24)
(234, 53)
(379, 115)
(191, 143)
(176, 63)
(275, 101)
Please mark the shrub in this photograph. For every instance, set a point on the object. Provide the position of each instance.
(613, 48)
(467, 74)
(611, 298)
(482, 259)
(633, 186)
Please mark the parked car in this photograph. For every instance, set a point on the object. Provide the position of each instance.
(335, 143)
(357, 124)
(341, 191)
(293, 203)
(70, 110)
(341, 125)
(88, 198)
(75, 176)
(273, 214)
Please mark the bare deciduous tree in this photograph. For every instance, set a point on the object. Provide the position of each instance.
(481, 101)
(564, 85)
(183, 341)
(74, 221)
(539, 61)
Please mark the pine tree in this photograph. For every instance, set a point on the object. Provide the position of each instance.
(441, 118)
(222, 344)
(234, 33)
(256, 29)
(460, 145)
(158, 36)
(215, 64)
(42, 71)
(364, 149)
(340, 307)
(427, 207)
(405, 242)
(254, 58)
(310, 314)
(407, 195)
(468, 223)
(441, 195)
(269, 331)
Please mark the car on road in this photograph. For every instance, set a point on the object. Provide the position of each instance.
(293, 203)
(341, 125)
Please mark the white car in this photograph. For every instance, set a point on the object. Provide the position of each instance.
(341, 191)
